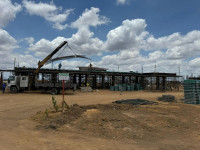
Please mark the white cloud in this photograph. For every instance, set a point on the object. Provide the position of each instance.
(49, 12)
(156, 55)
(127, 60)
(8, 12)
(178, 46)
(135, 61)
(185, 47)
(82, 42)
(44, 47)
(7, 42)
(90, 17)
(130, 35)
(7, 46)
(26, 60)
(29, 40)
(195, 63)
(121, 2)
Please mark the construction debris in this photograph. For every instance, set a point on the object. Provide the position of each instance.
(86, 89)
(167, 98)
(135, 102)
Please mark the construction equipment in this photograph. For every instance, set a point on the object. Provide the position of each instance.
(40, 64)
(21, 83)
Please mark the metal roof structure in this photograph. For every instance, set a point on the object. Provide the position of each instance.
(67, 57)
(91, 70)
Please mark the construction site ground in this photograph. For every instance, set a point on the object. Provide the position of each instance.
(28, 122)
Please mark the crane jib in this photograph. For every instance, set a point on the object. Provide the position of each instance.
(40, 64)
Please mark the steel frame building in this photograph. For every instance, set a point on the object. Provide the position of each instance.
(101, 78)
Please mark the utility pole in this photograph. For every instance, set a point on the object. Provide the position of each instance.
(155, 69)
(14, 63)
(118, 76)
(179, 72)
(142, 69)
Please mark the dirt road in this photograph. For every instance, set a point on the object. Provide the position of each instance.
(19, 132)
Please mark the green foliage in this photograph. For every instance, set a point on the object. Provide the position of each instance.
(55, 106)
(46, 115)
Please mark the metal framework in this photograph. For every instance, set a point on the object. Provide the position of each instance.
(101, 78)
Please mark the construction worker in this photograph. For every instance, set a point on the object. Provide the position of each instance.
(59, 66)
(3, 87)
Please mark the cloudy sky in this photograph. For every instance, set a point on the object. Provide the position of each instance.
(131, 34)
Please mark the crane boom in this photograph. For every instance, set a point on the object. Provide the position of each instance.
(40, 64)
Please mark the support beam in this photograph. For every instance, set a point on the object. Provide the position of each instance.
(157, 83)
(164, 83)
(74, 79)
(42, 77)
(129, 79)
(79, 80)
(136, 79)
(53, 78)
(123, 79)
(142, 82)
(113, 80)
(86, 78)
(103, 81)
(94, 81)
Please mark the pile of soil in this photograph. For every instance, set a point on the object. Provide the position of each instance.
(125, 121)
(54, 120)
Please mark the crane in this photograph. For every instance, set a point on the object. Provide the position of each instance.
(47, 58)
(22, 82)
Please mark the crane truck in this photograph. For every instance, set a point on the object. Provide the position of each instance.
(19, 83)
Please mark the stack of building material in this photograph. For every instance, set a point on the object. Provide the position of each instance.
(192, 91)
(137, 87)
(86, 89)
(126, 87)
(132, 87)
(167, 98)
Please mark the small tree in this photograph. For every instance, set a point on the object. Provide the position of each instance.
(55, 106)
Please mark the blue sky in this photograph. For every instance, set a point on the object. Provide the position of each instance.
(130, 34)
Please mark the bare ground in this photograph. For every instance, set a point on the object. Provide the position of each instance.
(158, 127)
